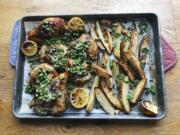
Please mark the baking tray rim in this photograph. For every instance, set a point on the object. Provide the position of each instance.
(159, 117)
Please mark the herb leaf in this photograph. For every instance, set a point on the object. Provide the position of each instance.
(135, 82)
(130, 95)
(142, 65)
(110, 64)
(145, 50)
(126, 38)
(142, 27)
(120, 76)
(117, 35)
(151, 90)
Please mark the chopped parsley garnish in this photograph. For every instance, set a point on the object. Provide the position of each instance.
(142, 27)
(42, 88)
(145, 50)
(122, 77)
(52, 41)
(135, 82)
(133, 25)
(117, 35)
(110, 64)
(151, 90)
(130, 95)
(126, 38)
(142, 65)
(30, 89)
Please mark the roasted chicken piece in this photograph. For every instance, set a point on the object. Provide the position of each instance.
(57, 104)
(49, 27)
(44, 66)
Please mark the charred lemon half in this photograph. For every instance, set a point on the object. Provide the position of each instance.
(79, 98)
(75, 24)
(29, 48)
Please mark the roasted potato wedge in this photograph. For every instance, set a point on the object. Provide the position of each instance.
(95, 38)
(115, 70)
(91, 100)
(110, 95)
(100, 34)
(148, 108)
(134, 63)
(116, 50)
(103, 101)
(104, 60)
(100, 71)
(134, 44)
(138, 90)
(117, 41)
(143, 50)
(93, 49)
(125, 46)
(109, 81)
(123, 94)
(109, 38)
(127, 69)
(105, 63)
(98, 59)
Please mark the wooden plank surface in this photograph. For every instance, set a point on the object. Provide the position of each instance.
(10, 11)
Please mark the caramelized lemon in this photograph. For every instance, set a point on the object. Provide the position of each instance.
(29, 48)
(79, 98)
(75, 24)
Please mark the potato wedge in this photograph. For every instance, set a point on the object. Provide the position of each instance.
(123, 94)
(100, 71)
(104, 60)
(138, 90)
(115, 70)
(98, 59)
(95, 38)
(116, 50)
(143, 50)
(100, 34)
(127, 69)
(109, 81)
(105, 63)
(91, 100)
(134, 63)
(103, 101)
(93, 49)
(109, 37)
(110, 95)
(134, 44)
(117, 41)
(125, 46)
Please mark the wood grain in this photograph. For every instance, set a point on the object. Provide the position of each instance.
(169, 14)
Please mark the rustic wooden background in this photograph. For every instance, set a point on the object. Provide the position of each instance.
(10, 11)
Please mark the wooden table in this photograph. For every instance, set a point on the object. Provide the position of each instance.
(10, 11)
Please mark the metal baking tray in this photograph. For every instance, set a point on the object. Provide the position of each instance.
(160, 97)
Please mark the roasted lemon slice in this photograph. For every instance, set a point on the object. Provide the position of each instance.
(79, 98)
(29, 48)
(75, 24)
